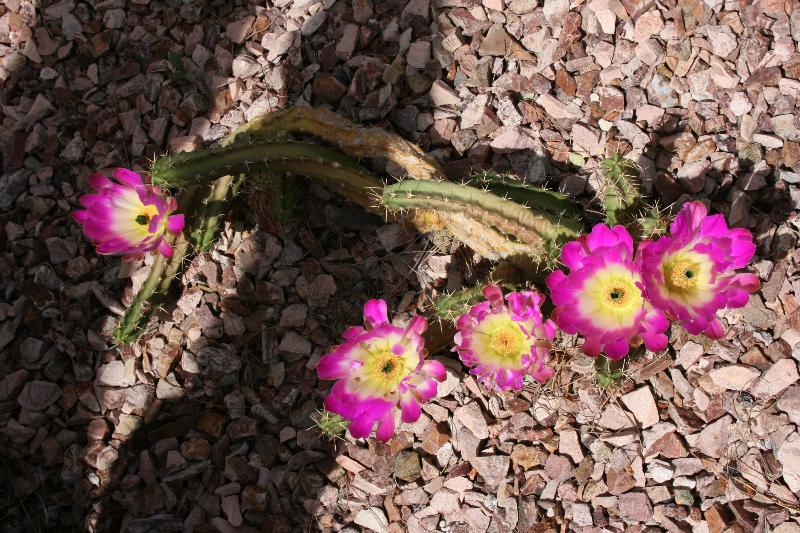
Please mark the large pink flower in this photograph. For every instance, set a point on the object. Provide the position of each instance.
(502, 342)
(381, 374)
(126, 216)
(601, 298)
(690, 273)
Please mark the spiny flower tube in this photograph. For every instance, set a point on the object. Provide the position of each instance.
(501, 341)
(126, 216)
(690, 274)
(381, 374)
(601, 298)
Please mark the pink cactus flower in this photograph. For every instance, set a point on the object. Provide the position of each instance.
(690, 274)
(381, 372)
(126, 216)
(601, 298)
(501, 342)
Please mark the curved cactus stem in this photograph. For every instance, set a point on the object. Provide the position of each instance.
(520, 192)
(208, 219)
(152, 292)
(527, 226)
(354, 140)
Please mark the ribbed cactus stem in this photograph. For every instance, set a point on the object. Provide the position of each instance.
(532, 227)
(263, 161)
(621, 187)
(208, 219)
(152, 293)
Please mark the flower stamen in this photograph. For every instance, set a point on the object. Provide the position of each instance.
(681, 275)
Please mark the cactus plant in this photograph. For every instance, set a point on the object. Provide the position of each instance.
(500, 222)
(621, 187)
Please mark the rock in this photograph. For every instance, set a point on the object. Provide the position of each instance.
(372, 518)
(513, 139)
(230, 506)
(660, 93)
(647, 25)
(443, 95)
(689, 354)
(789, 456)
(723, 40)
(569, 444)
(38, 395)
(492, 469)
(471, 417)
(557, 109)
(713, 439)
(734, 377)
(61, 250)
(557, 467)
(407, 466)
(660, 471)
(740, 104)
(527, 456)
(244, 67)
(643, 406)
(496, 42)
(789, 403)
(12, 383)
(635, 506)
(785, 127)
(419, 54)
(777, 379)
(692, 175)
(112, 375)
(767, 141)
(329, 89)
(294, 316)
(581, 515)
(294, 347)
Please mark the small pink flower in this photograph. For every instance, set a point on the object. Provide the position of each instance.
(501, 342)
(601, 298)
(126, 216)
(690, 274)
(381, 374)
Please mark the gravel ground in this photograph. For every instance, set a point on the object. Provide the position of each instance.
(203, 425)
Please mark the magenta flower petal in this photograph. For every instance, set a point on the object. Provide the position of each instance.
(125, 216)
(381, 372)
(690, 274)
(502, 340)
(601, 297)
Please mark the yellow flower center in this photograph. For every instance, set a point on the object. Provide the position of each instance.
(506, 341)
(145, 215)
(612, 298)
(385, 368)
(682, 275)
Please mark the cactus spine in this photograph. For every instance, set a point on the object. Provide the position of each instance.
(517, 223)
(621, 187)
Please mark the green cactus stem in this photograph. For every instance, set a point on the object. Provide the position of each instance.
(528, 226)
(152, 292)
(608, 371)
(207, 221)
(266, 161)
(330, 425)
(621, 187)
(513, 189)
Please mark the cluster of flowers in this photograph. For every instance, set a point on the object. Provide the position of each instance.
(613, 296)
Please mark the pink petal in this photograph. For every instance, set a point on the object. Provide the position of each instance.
(165, 248)
(385, 427)
(410, 409)
(494, 294)
(128, 177)
(435, 369)
(375, 313)
(98, 182)
(417, 325)
(175, 223)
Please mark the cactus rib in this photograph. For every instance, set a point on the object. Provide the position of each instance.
(528, 226)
